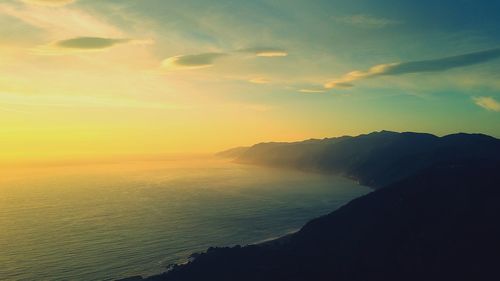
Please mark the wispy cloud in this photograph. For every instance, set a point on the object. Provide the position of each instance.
(192, 61)
(487, 103)
(346, 80)
(61, 22)
(50, 3)
(433, 65)
(90, 43)
(366, 21)
(312, 91)
(203, 60)
(265, 51)
(84, 44)
(260, 80)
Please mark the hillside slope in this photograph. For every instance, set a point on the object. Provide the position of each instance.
(437, 216)
(442, 224)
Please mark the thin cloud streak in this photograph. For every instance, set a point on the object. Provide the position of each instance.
(265, 51)
(49, 3)
(487, 103)
(90, 43)
(85, 44)
(312, 91)
(366, 21)
(195, 61)
(434, 65)
(204, 60)
(260, 80)
(61, 22)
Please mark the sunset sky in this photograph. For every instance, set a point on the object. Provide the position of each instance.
(93, 78)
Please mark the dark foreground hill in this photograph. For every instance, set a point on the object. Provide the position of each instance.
(439, 222)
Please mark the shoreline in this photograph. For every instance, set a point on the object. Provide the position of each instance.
(275, 240)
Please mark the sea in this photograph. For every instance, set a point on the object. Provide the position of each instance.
(110, 220)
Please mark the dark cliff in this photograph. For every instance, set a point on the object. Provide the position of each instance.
(438, 218)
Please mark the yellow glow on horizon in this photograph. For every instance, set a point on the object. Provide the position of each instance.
(83, 80)
(45, 127)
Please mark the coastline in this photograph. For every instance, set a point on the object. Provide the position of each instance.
(268, 242)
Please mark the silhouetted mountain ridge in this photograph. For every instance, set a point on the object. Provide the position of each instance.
(438, 219)
(375, 159)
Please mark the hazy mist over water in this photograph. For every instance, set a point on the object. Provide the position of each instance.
(106, 221)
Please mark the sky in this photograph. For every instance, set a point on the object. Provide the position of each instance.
(93, 78)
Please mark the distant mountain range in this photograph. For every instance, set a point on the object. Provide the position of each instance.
(437, 216)
(375, 159)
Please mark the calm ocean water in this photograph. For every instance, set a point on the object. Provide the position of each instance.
(107, 221)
